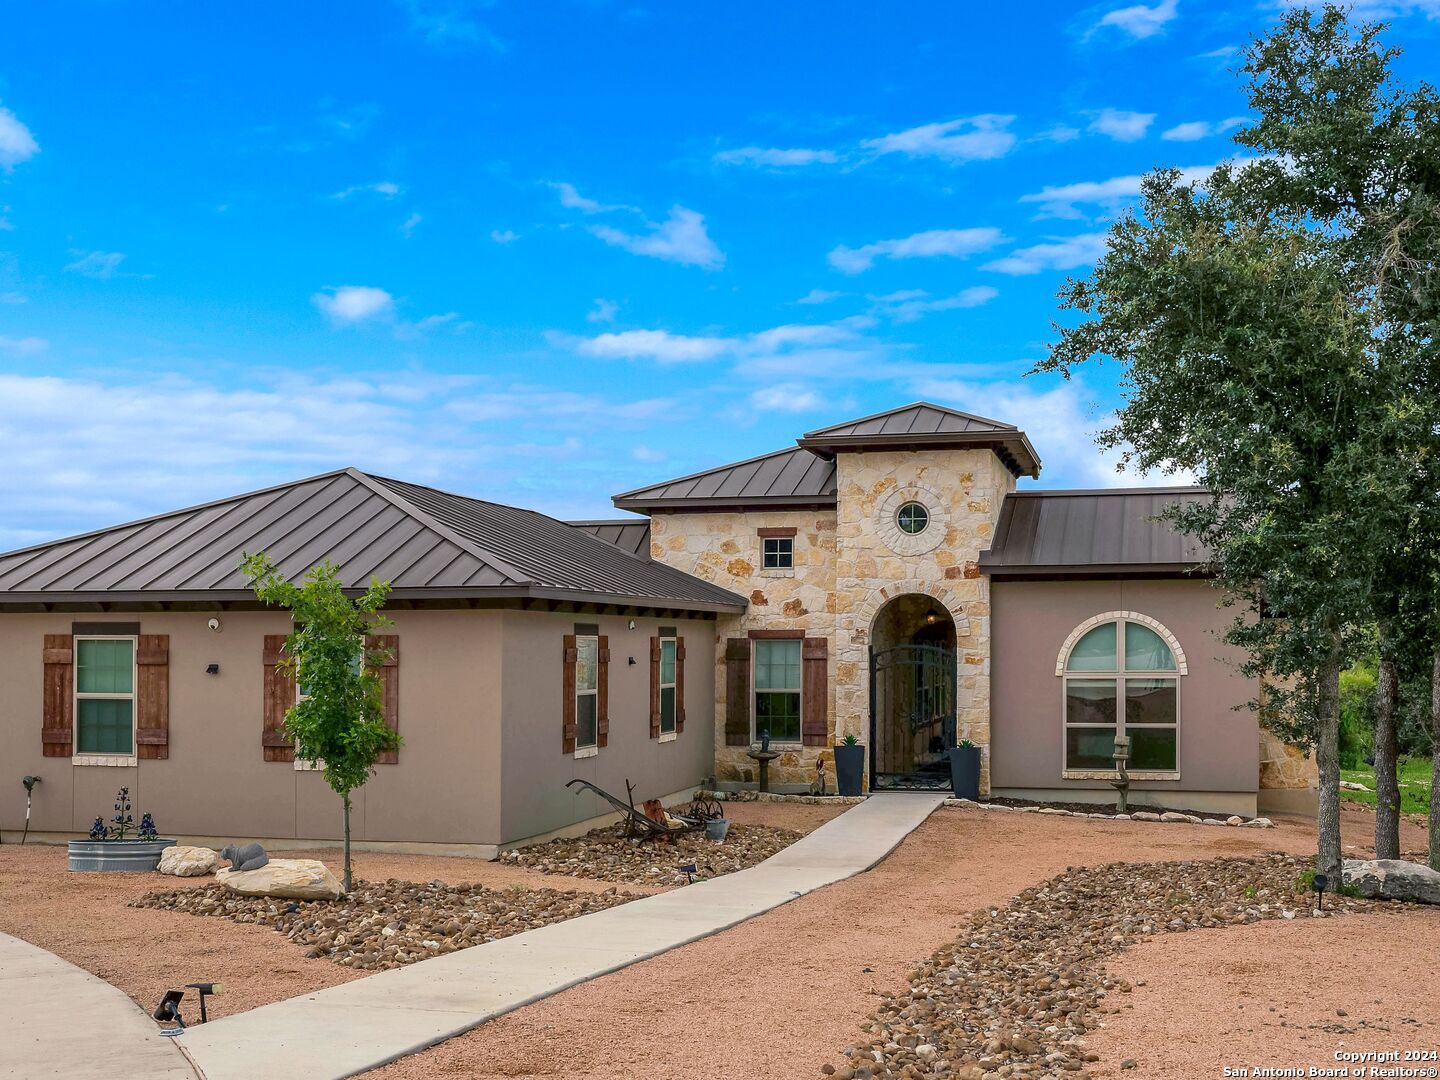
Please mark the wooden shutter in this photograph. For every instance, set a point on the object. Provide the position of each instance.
(152, 696)
(737, 691)
(602, 693)
(654, 688)
(813, 691)
(389, 672)
(279, 697)
(567, 727)
(679, 685)
(57, 723)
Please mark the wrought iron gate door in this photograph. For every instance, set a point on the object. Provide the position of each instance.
(912, 716)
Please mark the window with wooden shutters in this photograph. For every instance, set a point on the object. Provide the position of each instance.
(279, 691)
(737, 691)
(385, 648)
(105, 696)
(57, 730)
(679, 685)
(587, 693)
(665, 686)
(586, 689)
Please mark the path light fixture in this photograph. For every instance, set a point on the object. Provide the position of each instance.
(688, 869)
(29, 782)
(168, 1011)
(204, 990)
(1320, 884)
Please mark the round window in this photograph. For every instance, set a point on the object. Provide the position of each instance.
(913, 518)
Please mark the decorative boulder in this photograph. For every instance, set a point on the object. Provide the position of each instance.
(188, 861)
(291, 879)
(1393, 879)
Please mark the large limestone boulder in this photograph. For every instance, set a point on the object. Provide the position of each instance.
(1393, 879)
(292, 879)
(188, 861)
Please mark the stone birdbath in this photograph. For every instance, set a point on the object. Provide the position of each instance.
(763, 758)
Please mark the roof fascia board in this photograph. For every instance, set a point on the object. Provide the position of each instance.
(729, 504)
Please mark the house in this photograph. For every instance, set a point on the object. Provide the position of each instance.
(882, 578)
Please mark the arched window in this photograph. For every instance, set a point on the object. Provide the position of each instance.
(1122, 677)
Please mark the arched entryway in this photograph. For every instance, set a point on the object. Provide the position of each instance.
(912, 694)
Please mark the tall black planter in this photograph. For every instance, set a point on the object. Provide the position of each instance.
(965, 772)
(849, 768)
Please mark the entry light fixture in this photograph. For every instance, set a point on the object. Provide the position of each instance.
(632, 624)
(212, 669)
(932, 617)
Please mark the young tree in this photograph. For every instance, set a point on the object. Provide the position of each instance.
(339, 720)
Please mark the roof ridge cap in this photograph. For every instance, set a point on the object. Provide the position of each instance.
(435, 525)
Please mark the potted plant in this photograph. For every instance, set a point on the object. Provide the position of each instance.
(965, 770)
(849, 765)
(112, 847)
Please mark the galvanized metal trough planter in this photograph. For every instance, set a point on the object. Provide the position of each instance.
(132, 856)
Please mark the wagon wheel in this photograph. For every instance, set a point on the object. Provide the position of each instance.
(704, 810)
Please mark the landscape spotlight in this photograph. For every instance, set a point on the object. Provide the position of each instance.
(1320, 884)
(168, 1010)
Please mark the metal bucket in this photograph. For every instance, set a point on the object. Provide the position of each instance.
(131, 856)
(717, 830)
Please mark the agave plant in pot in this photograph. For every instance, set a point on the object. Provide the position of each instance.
(849, 765)
(121, 844)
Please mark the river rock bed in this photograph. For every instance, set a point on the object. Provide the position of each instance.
(607, 855)
(1014, 995)
(387, 924)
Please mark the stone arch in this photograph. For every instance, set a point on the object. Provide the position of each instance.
(878, 598)
(1134, 616)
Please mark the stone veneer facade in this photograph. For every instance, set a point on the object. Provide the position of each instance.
(849, 562)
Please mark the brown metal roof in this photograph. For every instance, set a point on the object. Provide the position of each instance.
(922, 425)
(429, 544)
(628, 534)
(786, 478)
(1092, 532)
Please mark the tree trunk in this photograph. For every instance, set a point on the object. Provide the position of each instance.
(1435, 759)
(1327, 757)
(346, 797)
(1387, 782)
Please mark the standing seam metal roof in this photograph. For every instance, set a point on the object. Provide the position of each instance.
(793, 477)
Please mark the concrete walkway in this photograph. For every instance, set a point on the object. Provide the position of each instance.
(57, 1020)
(347, 1029)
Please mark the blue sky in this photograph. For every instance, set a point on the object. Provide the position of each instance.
(545, 252)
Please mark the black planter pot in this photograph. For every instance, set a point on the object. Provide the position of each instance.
(850, 769)
(965, 772)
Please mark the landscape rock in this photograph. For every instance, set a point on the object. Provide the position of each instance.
(1144, 815)
(180, 861)
(1393, 879)
(290, 879)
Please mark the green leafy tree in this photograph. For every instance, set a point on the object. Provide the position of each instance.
(338, 723)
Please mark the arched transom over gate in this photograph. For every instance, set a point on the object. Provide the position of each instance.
(878, 598)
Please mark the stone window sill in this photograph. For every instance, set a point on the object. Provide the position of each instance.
(1109, 774)
(668, 736)
(586, 751)
(104, 759)
(777, 571)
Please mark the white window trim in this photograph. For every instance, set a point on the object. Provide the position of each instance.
(87, 758)
(796, 744)
(584, 750)
(669, 736)
(1121, 676)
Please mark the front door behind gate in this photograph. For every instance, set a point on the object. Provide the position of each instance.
(912, 717)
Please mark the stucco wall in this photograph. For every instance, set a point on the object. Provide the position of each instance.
(536, 769)
(1218, 744)
(215, 783)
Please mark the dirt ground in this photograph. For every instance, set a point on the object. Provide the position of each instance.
(782, 994)
(83, 917)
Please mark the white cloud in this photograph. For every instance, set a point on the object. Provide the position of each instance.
(1058, 254)
(16, 142)
(680, 238)
(914, 304)
(13, 298)
(659, 345)
(1064, 201)
(819, 296)
(571, 199)
(1138, 20)
(408, 226)
(971, 138)
(26, 346)
(97, 264)
(347, 305)
(786, 397)
(1059, 133)
(1202, 129)
(385, 188)
(450, 23)
(603, 311)
(1121, 125)
(776, 158)
(504, 236)
(647, 454)
(956, 243)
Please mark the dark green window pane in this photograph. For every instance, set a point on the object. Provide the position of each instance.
(1146, 650)
(1152, 748)
(1095, 651)
(587, 663)
(104, 667)
(777, 664)
(1150, 701)
(103, 726)
(1089, 748)
(913, 518)
(1090, 701)
(667, 660)
(667, 709)
(779, 714)
(585, 732)
(779, 553)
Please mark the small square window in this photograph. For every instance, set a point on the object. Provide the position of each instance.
(779, 553)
